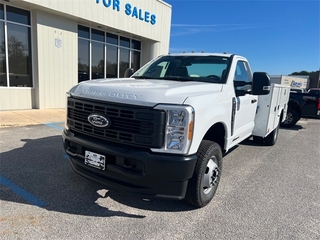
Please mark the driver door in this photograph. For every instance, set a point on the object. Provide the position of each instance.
(245, 106)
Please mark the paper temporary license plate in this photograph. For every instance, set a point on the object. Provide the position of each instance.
(95, 160)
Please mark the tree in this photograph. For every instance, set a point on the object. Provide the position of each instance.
(16, 48)
(301, 73)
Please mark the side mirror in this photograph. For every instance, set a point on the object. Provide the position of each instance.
(242, 87)
(128, 73)
(260, 84)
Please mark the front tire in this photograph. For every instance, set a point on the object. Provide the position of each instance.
(205, 180)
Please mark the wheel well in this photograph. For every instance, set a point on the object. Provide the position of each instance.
(295, 106)
(217, 134)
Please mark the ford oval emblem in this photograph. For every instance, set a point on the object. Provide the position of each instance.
(98, 120)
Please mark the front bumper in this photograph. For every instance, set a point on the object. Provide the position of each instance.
(131, 169)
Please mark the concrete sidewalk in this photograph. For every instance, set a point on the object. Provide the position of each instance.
(20, 118)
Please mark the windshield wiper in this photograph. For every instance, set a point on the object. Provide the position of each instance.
(143, 77)
(171, 78)
(177, 78)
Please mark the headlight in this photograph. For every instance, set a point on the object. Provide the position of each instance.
(179, 128)
(66, 109)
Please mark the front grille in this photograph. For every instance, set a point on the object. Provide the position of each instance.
(134, 125)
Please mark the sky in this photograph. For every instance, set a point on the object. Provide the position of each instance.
(278, 37)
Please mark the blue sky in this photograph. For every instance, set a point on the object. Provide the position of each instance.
(277, 37)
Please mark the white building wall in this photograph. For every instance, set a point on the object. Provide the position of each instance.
(57, 65)
(16, 98)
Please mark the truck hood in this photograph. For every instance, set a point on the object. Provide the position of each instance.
(145, 92)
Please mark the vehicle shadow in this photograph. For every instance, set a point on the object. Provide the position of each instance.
(296, 127)
(251, 142)
(39, 173)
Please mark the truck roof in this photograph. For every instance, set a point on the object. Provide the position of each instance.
(201, 54)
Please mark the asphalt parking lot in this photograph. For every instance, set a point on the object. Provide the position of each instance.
(264, 193)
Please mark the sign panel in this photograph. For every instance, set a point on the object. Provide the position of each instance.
(294, 82)
(130, 10)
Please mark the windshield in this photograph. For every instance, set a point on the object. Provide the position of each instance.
(186, 68)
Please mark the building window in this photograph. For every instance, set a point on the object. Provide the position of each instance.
(3, 69)
(124, 61)
(136, 44)
(135, 60)
(1, 12)
(97, 35)
(112, 61)
(105, 55)
(83, 59)
(18, 15)
(112, 39)
(97, 60)
(15, 50)
(135, 56)
(83, 32)
(124, 42)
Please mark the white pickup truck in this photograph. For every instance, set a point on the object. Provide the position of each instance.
(162, 132)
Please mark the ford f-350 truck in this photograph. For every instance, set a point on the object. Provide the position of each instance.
(163, 131)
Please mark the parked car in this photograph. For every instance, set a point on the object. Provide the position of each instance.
(298, 90)
(314, 91)
(302, 105)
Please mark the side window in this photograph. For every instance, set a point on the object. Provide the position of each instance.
(242, 79)
(242, 72)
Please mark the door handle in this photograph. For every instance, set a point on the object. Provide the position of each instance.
(253, 100)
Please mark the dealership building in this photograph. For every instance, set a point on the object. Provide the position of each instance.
(48, 46)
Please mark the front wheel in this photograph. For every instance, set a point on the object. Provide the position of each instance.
(205, 180)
